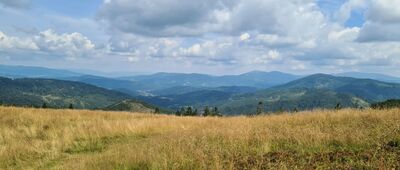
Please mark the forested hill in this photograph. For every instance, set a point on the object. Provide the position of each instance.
(56, 93)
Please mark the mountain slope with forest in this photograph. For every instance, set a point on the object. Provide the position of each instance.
(315, 91)
(56, 93)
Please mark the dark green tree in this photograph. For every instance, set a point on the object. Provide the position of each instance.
(260, 108)
(178, 113)
(195, 112)
(189, 111)
(71, 106)
(215, 112)
(157, 110)
(338, 106)
(206, 111)
(44, 105)
(182, 111)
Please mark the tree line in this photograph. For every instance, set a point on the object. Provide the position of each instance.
(191, 111)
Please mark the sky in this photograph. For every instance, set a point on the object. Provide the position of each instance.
(207, 36)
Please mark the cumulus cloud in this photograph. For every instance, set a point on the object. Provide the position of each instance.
(49, 42)
(183, 18)
(285, 35)
(160, 17)
(72, 45)
(12, 43)
(382, 22)
(384, 11)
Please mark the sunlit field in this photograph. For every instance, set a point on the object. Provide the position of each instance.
(72, 139)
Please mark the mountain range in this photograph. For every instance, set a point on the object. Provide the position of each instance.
(315, 91)
(233, 94)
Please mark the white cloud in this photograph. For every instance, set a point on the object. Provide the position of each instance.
(384, 11)
(10, 43)
(219, 35)
(72, 45)
(49, 42)
(382, 21)
(244, 37)
(272, 55)
(182, 18)
(347, 34)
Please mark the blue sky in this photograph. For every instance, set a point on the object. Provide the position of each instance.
(209, 36)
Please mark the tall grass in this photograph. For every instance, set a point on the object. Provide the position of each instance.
(72, 139)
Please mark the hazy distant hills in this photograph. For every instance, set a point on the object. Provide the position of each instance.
(56, 93)
(128, 87)
(34, 72)
(375, 76)
(233, 94)
(252, 79)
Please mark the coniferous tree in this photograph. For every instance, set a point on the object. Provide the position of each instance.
(156, 110)
(338, 106)
(178, 113)
(182, 111)
(189, 111)
(44, 106)
(206, 111)
(215, 112)
(260, 108)
(71, 106)
(195, 112)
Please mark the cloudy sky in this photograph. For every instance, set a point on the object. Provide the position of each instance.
(205, 36)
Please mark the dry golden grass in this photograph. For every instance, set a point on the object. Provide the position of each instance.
(70, 139)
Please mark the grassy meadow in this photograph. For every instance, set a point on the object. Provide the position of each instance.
(79, 139)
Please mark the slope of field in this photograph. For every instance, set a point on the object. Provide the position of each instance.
(72, 139)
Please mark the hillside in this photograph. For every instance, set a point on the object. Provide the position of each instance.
(125, 86)
(131, 106)
(292, 99)
(315, 91)
(367, 89)
(198, 98)
(72, 139)
(56, 93)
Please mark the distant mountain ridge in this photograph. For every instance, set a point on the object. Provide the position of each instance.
(256, 79)
(234, 94)
(375, 76)
(34, 72)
